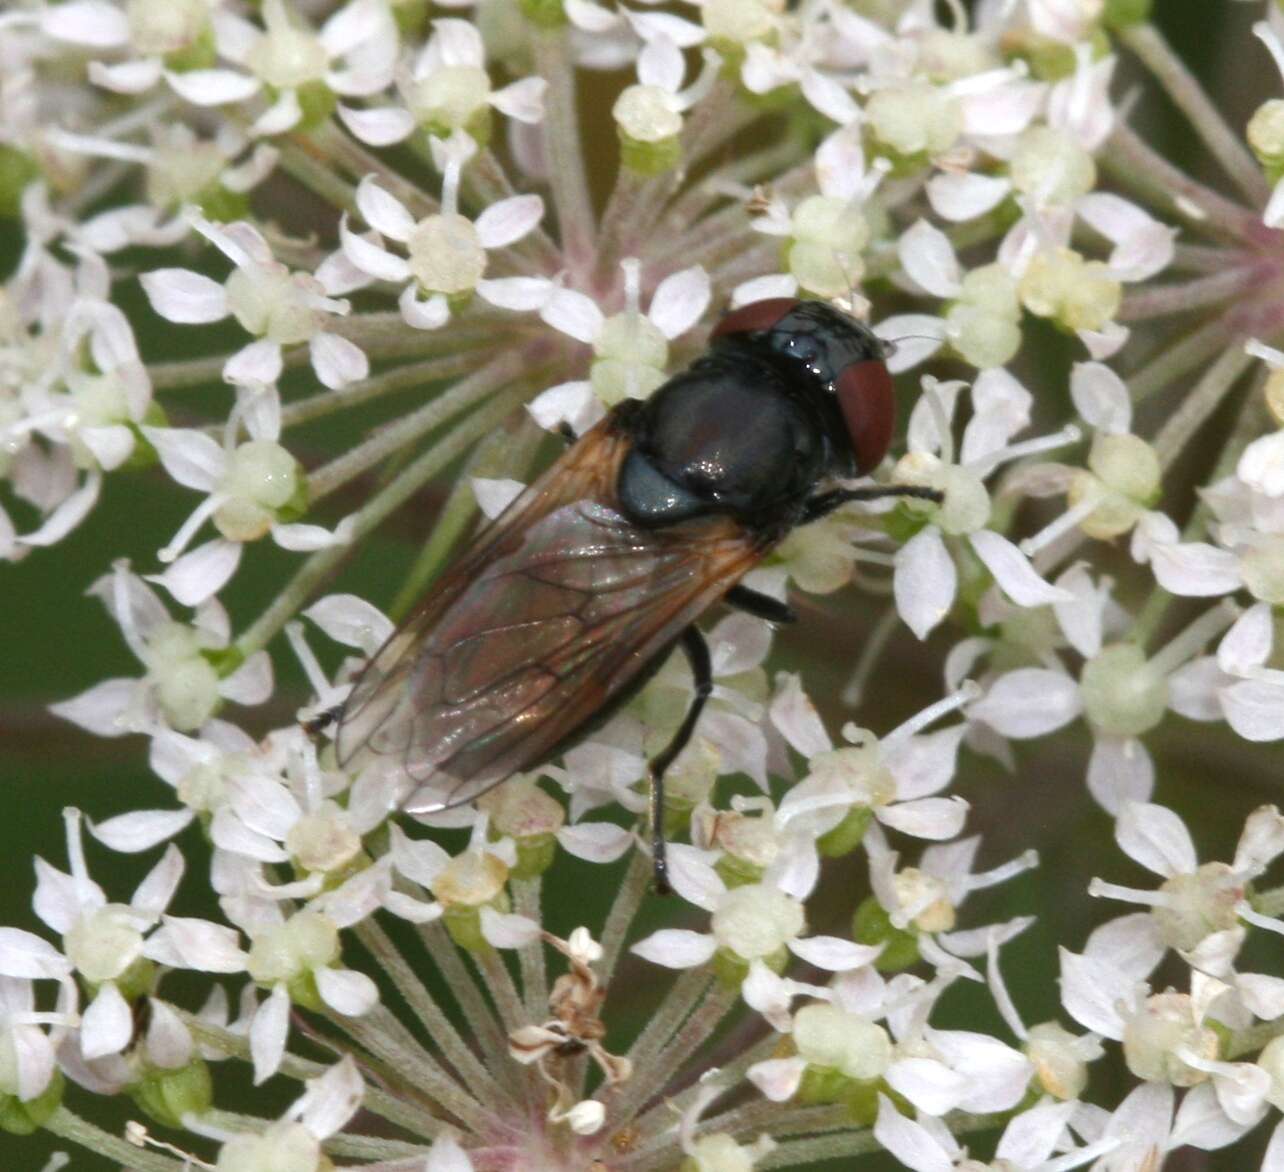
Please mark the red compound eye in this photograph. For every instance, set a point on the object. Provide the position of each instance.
(757, 315)
(868, 403)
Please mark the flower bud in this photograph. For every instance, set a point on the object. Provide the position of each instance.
(1123, 693)
(26, 1116)
(1079, 294)
(737, 22)
(185, 682)
(1155, 1034)
(285, 1147)
(322, 841)
(717, 1153)
(292, 951)
(1266, 134)
(913, 120)
(264, 483)
(104, 943)
(1198, 905)
(452, 97)
(168, 1095)
(159, 28)
(446, 255)
(648, 124)
(631, 355)
(287, 55)
(872, 924)
(756, 920)
(469, 882)
(827, 1036)
(829, 235)
(1051, 167)
(1059, 1059)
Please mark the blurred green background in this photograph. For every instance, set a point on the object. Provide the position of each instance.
(58, 642)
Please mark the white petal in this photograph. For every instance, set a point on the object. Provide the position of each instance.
(597, 842)
(347, 992)
(111, 446)
(107, 1025)
(202, 573)
(268, 1033)
(337, 360)
(508, 931)
(331, 1100)
(127, 77)
(777, 1078)
(282, 115)
(1195, 569)
(1261, 466)
(447, 1156)
(676, 948)
(99, 709)
(833, 953)
(793, 713)
(1101, 398)
(909, 1142)
(762, 288)
(192, 458)
(520, 294)
(693, 877)
(928, 258)
(1028, 702)
(925, 581)
(917, 337)
(197, 944)
(1082, 616)
(830, 98)
(140, 830)
(351, 621)
(378, 127)
(25, 955)
(1120, 770)
(522, 100)
(183, 296)
(1156, 838)
(370, 258)
(429, 314)
(930, 1085)
(933, 818)
(1143, 246)
(573, 313)
(1255, 709)
(959, 196)
(385, 213)
(212, 87)
(565, 403)
(259, 362)
(93, 23)
(509, 220)
(679, 301)
(251, 683)
(1091, 990)
(660, 64)
(1013, 572)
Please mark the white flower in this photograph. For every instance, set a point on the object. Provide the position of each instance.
(448, 89)
(630, 349)
(254, 488)
(446, 252)
(279, 307)
(181, 688)
(926, 579)
(353, 55)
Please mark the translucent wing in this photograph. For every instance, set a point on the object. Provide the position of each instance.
(554, 611)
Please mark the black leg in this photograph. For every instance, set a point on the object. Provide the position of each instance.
(567, 432)
(697, 653)
(322, 721)
(826, 502)
(761, 606)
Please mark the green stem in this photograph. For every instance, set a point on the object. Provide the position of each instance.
(502, 451)
(796, 1153)
(191, 372)
(413, 477)
(1137, 165)
(432, 1017)
(1173, 361)
(67, 1125)
(401, 378)
(1251, 1040)
(304, 165)
(485, 176)
(1166, 300)
(335, 146)
(566, 174)
(397, 435)
(1195, 409)
(1154, 52)
(237, 1045)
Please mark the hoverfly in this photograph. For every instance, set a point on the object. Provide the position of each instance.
(572, 596)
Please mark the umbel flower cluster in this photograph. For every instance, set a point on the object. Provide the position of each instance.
(403, 217)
